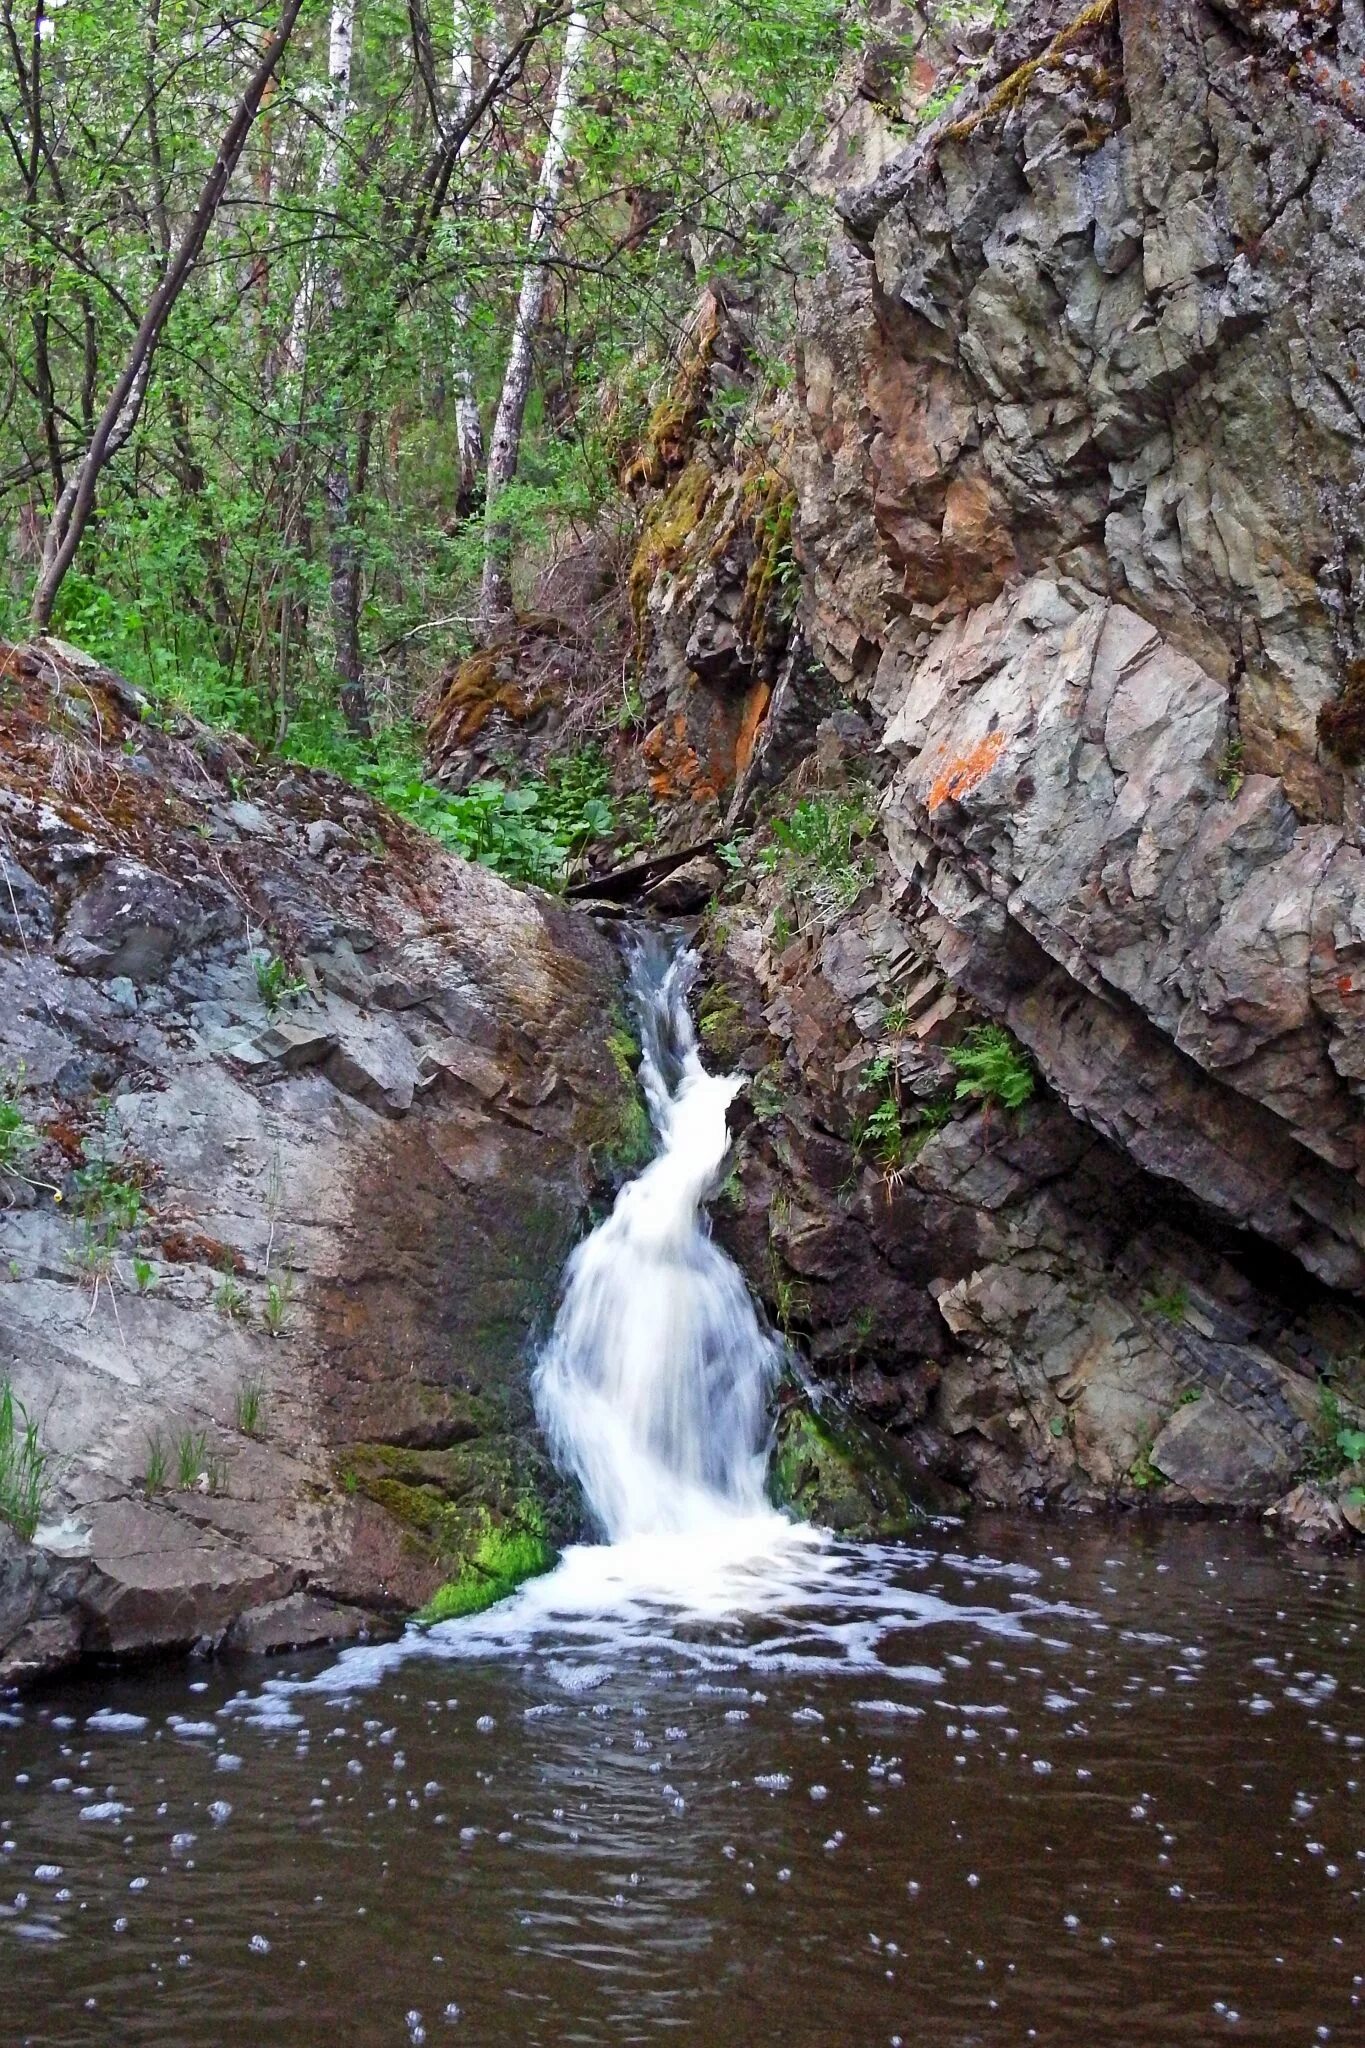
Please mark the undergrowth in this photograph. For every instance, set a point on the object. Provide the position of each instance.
(534, 832)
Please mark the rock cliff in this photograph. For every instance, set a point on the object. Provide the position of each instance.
(1020, 675)
(304, 1114)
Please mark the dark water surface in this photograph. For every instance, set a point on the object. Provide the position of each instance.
(1086, 1784)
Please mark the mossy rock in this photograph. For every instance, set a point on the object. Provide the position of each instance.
(504, 1556)
(830, 1469)
(486, 1514)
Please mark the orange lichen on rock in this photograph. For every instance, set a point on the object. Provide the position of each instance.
(677, 767)
(963, 774)
(755, 706)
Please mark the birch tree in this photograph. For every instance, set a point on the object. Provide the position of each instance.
(340, 40)
(71, 513)
(468, 420)
(495, 596)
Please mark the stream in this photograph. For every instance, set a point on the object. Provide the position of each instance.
(719, 1778)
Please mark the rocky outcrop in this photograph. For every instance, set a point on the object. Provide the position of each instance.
(309, 1114)
(1062, 737)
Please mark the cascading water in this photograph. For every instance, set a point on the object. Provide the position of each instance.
(653, 1386)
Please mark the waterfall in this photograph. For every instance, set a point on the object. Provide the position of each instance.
(653, 1385)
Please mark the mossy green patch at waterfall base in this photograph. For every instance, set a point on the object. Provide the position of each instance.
(488, 1513)
(829, 1469)
(504, 1556)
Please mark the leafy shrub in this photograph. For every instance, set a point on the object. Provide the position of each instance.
(992, 1067)
(816, 843)
(532, 833)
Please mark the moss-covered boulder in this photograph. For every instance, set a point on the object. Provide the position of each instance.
(830, 1469)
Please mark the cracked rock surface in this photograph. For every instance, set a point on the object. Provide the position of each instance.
(314, 1111)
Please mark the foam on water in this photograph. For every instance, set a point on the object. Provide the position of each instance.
(653, 1390)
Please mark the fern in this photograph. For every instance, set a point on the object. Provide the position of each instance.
(992, 1067)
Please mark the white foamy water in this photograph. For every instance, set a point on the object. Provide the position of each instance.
(653, 1386)
(653, 1390)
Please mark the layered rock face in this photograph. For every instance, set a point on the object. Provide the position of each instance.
(311, 1113)
(1073, 686)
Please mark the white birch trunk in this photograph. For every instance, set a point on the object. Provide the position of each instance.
(495, 600)
(340, 39)
(468, 424)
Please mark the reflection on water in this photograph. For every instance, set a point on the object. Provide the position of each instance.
(1083, 1785)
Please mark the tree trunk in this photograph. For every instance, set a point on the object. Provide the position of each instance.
(340, 38)
(495, 598)
(468, 421)
(71, 513)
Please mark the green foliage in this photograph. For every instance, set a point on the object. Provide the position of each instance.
(1142, 1473)
(929, 1117)
(533, 833)
(791, 1299)
(880, 1134)
(18, 1138)
(231, 1300)
(105, 1195)
(154, 1470)
(1337, 1444)
(276, 981)
(816, 848)
(144, 1274)
(207, 574)
(992, 1067)
(278, 1295)
(1231, 771)
(191, 1458)
(1171, 1303)
(249, 1407)
(765, 1092)
(23, 1465)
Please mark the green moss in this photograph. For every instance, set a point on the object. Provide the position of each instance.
(720, 1020)
(620, 1134)
(505, 1554)
(832, 1470)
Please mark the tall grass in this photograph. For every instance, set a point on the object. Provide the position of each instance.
(23, 1465)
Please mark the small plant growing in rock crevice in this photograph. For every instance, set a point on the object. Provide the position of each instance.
(1142, 1473)
(154, 1470)
(276, 981)
(278, 1295)
(1231, 771)
(1337, 1444)
(817, 844)
(19, 1140)
(992, 1067)
(1170, 1303)
(230, 1299)
(250, 1407)
(23, 1465)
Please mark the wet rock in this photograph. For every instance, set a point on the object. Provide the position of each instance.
(830, 1469)
(298, 1622)
(1218, 1456)
(323, 1258)
(688, 888)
